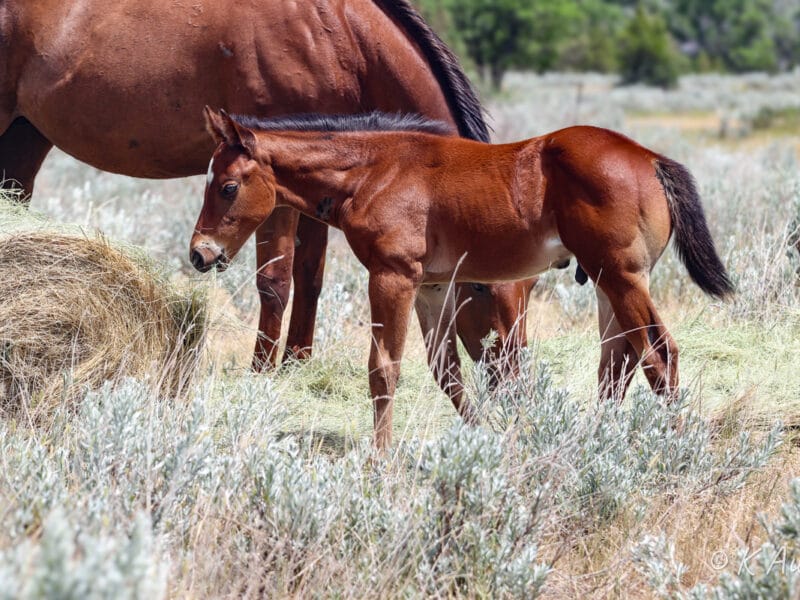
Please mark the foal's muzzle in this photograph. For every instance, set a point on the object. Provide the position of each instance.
(207, 256)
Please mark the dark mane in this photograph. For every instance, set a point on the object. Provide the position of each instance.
(458, 91)
(374, 121)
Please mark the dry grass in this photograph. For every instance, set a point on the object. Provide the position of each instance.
(78, 312)
(708, 532)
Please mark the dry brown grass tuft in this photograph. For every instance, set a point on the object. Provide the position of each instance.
(76, 312)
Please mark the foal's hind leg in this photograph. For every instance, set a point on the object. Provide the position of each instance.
(436, 310)
(22, 151)
(638, 319)
(618, 358)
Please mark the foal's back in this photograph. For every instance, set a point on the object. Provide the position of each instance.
(510, 209)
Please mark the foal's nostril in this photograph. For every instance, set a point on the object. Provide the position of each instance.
(205, 255)
(197, 260)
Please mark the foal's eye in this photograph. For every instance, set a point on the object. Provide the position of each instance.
(229, 189)
(479, 288)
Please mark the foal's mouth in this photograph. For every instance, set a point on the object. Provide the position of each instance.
(223, 262)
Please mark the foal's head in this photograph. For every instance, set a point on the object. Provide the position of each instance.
(239, 196)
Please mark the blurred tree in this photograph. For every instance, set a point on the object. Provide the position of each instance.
(644, 40)
(647, 54)
(501, 34)
(787, 33)
(737, 34)
(592, 46)
(555, 22)
(495, 33)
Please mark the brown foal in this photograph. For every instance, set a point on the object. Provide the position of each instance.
(418, 207)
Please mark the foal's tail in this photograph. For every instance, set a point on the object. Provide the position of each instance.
(693, 241)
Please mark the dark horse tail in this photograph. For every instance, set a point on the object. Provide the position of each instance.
(693, 241)
(458, 91)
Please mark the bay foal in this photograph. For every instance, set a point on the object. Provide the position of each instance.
(421, 208)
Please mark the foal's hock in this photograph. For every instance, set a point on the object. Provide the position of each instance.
(420, 209)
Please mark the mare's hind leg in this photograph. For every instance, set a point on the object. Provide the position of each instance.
(22, 151)
(309, 266)
(501, 308)
(638, 319)
(436, 310)
(618, 358)
(275, 240)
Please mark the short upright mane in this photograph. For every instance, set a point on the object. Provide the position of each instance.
(374, 121)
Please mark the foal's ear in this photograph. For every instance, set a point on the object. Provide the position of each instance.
(224, 129)
(238, 135)
(215, 125)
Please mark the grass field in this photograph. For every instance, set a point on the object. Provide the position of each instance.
(266, 485)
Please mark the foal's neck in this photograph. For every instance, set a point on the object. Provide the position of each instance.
(316, 172)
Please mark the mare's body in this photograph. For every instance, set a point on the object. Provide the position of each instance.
(121, 86)
(419, 208)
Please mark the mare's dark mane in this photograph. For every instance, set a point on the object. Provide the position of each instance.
(458, 91)
(374, 121)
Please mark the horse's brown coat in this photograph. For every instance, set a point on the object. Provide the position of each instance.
(120, 85)
(422, 209)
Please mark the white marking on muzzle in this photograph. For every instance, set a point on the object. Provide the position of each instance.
(210, 174)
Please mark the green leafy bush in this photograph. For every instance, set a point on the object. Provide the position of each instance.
(646, 53)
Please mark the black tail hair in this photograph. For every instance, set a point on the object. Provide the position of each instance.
(693, 241)
(461, 96)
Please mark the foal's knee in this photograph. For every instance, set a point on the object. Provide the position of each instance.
(383, 373)
(273, 289)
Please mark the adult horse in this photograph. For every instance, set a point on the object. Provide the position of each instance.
(121, 86)
(480, 212)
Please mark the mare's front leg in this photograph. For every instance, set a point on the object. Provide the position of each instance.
(436, 311)
(309, 267)
(22, 150)
(391, 296)
(275, 242)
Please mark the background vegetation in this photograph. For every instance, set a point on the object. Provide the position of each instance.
(650, 41)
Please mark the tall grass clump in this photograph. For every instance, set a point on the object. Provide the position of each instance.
(78, 311)
(68, 563)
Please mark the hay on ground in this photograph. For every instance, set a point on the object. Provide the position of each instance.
(75, 312)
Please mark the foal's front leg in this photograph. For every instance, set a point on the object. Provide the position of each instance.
(391, 296)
